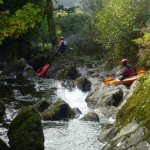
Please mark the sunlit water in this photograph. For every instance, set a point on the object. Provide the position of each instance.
(59, 135)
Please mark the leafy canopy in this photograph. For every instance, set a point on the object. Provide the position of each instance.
(23, 20)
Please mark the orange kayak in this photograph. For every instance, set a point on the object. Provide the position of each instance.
(126, 82)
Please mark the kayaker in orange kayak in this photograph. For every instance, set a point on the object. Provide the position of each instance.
(127, 70)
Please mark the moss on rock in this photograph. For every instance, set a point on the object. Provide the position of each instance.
(137, 106)
(60, 110)
(25, 131)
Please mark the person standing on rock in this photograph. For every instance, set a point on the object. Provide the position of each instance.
(62, 46)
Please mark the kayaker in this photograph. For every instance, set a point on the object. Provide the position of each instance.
(127, 70)
(62, 46)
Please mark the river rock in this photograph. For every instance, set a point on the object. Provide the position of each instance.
(108, 134)
(69, 73)
(2, 110)
(25, 131)
(83, 83)
(60, 110)
(132, 139)
(91, 116)
(77, 111)
(104, 96)
(3, 145)
(68, 84)
(28, 71)
(41, 105)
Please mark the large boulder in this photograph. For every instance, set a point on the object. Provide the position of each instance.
(60, 110)
(2, 110)
(69, 73)
(104, 96)
(3, 145)
(83, 83)
(91, 116)
(25, 131)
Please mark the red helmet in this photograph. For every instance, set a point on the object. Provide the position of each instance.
(124, 61)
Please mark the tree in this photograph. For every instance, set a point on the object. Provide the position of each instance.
(51, 23)
(23, 20)
(116, 24)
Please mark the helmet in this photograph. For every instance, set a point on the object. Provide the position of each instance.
(61, 37)
(124, 61)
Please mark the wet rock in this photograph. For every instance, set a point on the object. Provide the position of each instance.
(129, 137)
(108, 134)
(68, 84)
(2, 110)
(60, 110)
(91, 116)
(83, 83)
(69, 73)
(77, 111)
(25, 131)
(20, 68)
(3, 145)
(28, 71)
(42, 105)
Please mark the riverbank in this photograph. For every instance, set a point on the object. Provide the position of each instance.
(105, 101)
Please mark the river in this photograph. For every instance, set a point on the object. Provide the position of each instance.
(59, 135)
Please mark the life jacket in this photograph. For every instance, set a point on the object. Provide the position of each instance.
(130, 71)
(62, 46)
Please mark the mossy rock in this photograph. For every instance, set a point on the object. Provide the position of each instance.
(25, 131)
(91, 116)
(2, 110)
(137, 106)
(3, 145)
(69, 73)
(83, 83)
(60, 110)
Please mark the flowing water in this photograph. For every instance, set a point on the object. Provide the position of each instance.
(59, 135)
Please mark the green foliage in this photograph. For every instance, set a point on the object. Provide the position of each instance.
(115, 25)
(72, 24)
(22, 21)
(144, 52)
(1, 2)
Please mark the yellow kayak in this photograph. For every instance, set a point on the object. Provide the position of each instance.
(126, 82)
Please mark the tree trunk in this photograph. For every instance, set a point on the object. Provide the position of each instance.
(51, 23)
